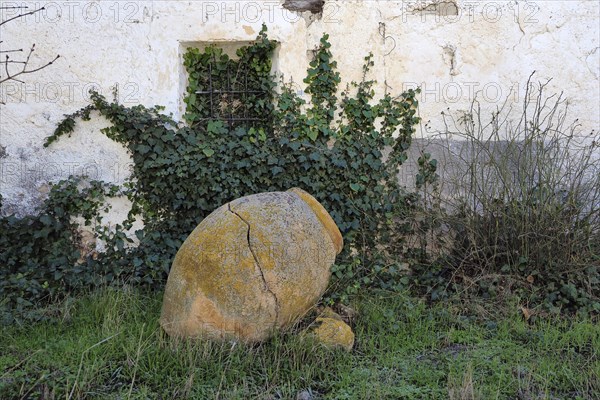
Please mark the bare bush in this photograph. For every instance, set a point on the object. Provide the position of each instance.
(519, 202)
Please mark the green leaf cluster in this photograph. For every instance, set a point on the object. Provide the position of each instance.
(41, 255)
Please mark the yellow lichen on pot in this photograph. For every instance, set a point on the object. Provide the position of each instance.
(214, 274)
(323, 216)
(253, 266)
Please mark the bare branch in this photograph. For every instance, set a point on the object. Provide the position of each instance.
(24, 70)
(20, 15)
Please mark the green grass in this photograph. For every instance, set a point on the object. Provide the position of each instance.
(109, 345)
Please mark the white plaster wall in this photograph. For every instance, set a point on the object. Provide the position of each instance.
(453, 51)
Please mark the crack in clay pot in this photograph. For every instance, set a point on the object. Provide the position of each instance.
(257, 262)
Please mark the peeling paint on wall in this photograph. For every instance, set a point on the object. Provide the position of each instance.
(436, 7)
(449, 53)
(314, 6)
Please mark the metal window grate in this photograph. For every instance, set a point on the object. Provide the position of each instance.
(227, 95)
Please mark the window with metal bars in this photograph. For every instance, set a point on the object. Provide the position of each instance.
(238, 92)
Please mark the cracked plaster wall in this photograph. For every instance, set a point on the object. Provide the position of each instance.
(452, 49)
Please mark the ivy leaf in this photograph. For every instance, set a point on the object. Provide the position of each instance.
(142, 148)
(208, 152)
(294, 146)
(355, 187)
(315, 156)
(46, 220)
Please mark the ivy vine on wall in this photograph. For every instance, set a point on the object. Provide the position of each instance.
(331, 147)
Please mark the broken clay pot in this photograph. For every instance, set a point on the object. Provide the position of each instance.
(253, 266)
(331, 331)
